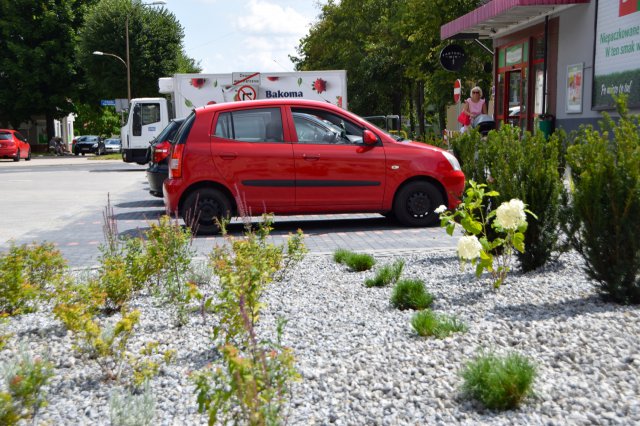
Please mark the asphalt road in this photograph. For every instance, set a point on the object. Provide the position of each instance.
(63, 200)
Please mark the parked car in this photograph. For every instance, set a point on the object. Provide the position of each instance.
(158, 157)
(90, 144)
(112, 145)
(281, 156)
(14, 145)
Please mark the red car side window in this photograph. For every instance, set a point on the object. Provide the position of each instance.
(251, 125)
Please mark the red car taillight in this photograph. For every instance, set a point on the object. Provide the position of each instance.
(161, 151)
(175, 162)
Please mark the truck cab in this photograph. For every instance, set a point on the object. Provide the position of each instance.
(147, 117)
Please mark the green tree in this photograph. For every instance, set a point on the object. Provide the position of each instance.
(37, 59)
(390, 49)
(155, 48)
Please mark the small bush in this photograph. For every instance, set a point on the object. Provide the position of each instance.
(499, 383)
(388, 274)
(410, 294)
(603, 210)
(128, 409)
(24, 272)
(357, 262)
(427, 323)
(24, 379)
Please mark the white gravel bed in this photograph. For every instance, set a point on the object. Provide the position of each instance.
(361, 362)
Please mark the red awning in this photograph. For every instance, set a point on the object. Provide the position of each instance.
(499, 16)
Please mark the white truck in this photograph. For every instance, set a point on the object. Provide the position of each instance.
(148, 116)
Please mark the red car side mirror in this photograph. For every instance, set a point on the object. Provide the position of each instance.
(369, 138)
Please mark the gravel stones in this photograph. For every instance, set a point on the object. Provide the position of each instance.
(360, 361)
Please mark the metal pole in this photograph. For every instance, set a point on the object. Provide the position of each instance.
(544, 66)
(126, 29)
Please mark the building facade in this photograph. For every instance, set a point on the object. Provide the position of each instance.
(559, 60)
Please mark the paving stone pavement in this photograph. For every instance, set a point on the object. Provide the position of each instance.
(79, 235)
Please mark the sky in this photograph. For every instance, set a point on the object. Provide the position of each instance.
(227, 36)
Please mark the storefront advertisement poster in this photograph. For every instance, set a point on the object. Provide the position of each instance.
(574, 88)
(617, 53)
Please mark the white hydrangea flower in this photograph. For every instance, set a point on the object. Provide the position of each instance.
(510, 215)
(469, 247)
(441, 209)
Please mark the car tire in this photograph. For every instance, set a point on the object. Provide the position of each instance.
(28, 156)
(201, 209)
(75, 152)
(83, 154)
(415, 203)
(17, 157)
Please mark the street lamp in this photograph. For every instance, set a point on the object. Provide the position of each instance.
(127, 63)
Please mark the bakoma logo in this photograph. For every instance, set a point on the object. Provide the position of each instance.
(281, 94)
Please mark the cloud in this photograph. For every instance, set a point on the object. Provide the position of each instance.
(264, 17)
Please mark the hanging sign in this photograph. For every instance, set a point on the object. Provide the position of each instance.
(452, 57)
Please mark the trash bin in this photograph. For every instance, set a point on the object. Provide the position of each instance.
(546, 124)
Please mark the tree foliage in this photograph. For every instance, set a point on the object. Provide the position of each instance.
(37, 58)
(155, 48)
(390, 49)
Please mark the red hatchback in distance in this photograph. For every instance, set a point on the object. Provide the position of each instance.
(13, 145)
(302, 157)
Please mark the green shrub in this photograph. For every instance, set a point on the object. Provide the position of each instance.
(388, 274)
(24, 379)
(355, 261)
(498, 383)
(410, 294)
(522, 166)
(527, 167)
(603, 210)
(25, 271)
(427, 323)
(252, 383)
(169, 254)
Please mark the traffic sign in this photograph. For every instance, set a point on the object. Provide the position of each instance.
(247, 93)
(456, 91)
(108, 102)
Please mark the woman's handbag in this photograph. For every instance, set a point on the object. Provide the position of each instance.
(464, 119)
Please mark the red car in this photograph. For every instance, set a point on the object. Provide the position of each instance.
(302, 157)
(14, 145)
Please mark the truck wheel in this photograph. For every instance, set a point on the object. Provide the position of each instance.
(415, 204)
(203, 207)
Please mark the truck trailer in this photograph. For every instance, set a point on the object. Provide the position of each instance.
(184, 92)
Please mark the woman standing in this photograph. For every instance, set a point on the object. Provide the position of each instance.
(474, 105)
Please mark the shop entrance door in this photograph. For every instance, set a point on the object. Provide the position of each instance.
(515, 104)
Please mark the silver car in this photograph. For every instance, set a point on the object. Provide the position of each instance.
(112, 145)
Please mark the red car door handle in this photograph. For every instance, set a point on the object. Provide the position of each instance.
(311, 157)
(228, 155)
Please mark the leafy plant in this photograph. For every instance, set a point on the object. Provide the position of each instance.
(508, 221)
(355, 261)
(130, 409)
(169, 254)
(107, 345)
(603, 208)
(525, 167)
(499, 383)
(250, 384)
(25, 271)
(427, 323)
(23, 396)
(146, 364)
(388, 274)
(410, 294)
